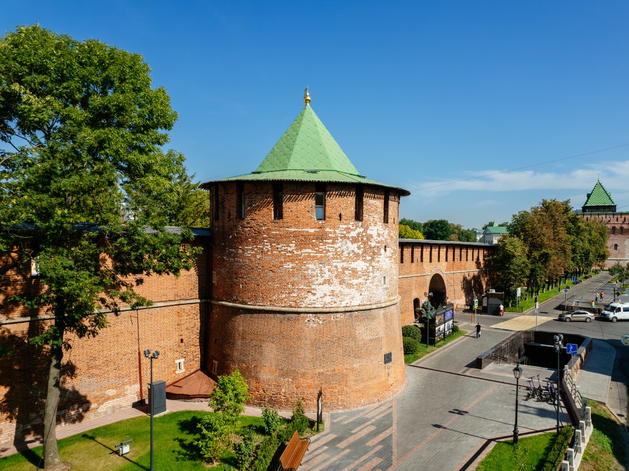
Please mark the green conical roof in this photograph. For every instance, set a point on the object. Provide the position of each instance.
(307, 145)
(599, 197)
(307, 152)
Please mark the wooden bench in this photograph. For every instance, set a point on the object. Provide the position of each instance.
(293, 453)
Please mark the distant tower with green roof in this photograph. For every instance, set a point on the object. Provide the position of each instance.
(305, 276)
(599, 206)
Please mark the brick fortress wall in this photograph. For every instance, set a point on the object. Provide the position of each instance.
(301, 304)
(105, 373)
(460, 265)
(618, 235)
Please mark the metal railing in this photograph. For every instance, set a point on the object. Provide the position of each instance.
(572, 388)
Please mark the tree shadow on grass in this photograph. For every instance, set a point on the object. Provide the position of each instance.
(112, 450)
(188, 450)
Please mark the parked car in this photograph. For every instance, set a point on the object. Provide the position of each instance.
(616, 312)
(576, 316)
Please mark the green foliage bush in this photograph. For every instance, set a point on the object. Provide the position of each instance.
(412, 331)
(215, 437)
(245, 449)
(272, 420)
(559, 449)
(411, 346)
(455, 329)
(265, 453)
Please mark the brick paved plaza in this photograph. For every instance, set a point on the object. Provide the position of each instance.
(446, 414)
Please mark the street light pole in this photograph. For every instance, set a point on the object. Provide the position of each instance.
(517, 372)
(151, 356)
(558, 346)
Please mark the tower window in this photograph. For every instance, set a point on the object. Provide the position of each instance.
(385, 218)
(613, 230)
(615, 246)
(620, 230)
(240, 203)
(320, 202)
(278, 201)
(360, 196)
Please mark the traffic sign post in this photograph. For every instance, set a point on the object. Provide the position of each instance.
(571, 348)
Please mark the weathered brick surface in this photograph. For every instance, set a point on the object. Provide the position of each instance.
(299, 261)
(285, 356)
(306, 264)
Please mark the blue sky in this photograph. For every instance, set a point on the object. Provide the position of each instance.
(479, 108)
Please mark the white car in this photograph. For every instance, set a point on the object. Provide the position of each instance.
(616, 312)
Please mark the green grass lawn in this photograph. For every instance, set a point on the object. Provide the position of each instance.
(424, 350)
(501, 458)
(94, 450)
(606, 448)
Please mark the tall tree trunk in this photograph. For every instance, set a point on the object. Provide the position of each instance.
(51, 452)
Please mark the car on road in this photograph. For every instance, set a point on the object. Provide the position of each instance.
(616, 312)
(576, 316)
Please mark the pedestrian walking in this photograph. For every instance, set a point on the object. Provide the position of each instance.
(602, 296)
(596, 297)
(502, 310)
(478, 330)
(593, 305)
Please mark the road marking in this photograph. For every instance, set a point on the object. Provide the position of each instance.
(521, 323)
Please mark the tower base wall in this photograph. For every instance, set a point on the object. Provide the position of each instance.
(289, 355)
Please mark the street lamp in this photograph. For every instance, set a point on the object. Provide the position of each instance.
(517, 372)
(151, 356)
(558, 347)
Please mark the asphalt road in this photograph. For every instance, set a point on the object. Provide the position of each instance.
(618, 398)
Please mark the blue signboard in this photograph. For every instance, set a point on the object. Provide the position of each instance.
(574, 279)
(571, 348)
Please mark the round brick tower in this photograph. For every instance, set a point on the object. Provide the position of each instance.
(305, 276)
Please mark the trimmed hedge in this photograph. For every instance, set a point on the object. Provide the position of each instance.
(412, 331)
(411, 346)
(455, 329)
(555, 457)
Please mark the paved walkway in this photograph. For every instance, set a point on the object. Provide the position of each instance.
(443, 420)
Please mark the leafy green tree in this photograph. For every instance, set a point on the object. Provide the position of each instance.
(589, 242)
(228, 398)
(428, 313)
(544, 232)
(416, 226)
(460, 234)
(190, 205)
(405, 232)
(511, 262)
(82, 177)
(438, 229)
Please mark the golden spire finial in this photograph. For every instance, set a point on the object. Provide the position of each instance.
(307, 99)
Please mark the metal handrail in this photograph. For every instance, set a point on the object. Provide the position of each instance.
(572, 388)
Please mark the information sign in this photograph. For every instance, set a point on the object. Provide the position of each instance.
(475, 303)
(571, 348)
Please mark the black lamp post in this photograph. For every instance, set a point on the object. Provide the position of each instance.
(151, 356)
(558, 347)
(517, 372)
